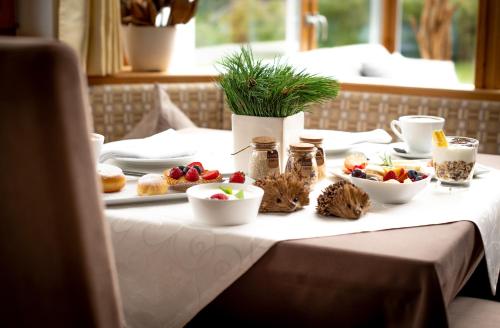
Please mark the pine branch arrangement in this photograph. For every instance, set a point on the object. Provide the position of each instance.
(270, 90)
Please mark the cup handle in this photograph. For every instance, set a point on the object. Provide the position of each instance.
(396, 128)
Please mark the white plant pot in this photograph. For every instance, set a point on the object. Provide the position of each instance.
(149, 48)
(286, 130)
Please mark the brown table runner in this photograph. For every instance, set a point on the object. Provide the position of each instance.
(393, 278)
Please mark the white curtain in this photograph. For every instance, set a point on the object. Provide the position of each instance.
(92, 28)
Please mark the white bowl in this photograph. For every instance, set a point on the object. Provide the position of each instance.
(224, 212)
(391, 193)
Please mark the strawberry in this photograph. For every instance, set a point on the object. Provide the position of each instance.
(355, 161)
(237, 177)
(175, 173)
(390, 175)
(210, 175)
(197, 164)
(403, 177)
(192, 175)
(219, 196)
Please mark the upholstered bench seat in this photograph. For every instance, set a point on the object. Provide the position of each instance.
(118, 108)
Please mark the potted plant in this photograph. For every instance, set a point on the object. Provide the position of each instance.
(149, 30)
(268, 99)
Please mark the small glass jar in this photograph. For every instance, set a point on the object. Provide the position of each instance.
(264, 159)
(317, 141)
(302, 161)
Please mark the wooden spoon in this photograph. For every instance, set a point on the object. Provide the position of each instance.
(182, 11)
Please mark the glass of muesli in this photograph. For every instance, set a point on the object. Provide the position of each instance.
(455, 163)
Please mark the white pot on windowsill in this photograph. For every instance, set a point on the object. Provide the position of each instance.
(149, 48)
(286, 130)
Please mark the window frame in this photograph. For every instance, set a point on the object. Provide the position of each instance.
(487, 63)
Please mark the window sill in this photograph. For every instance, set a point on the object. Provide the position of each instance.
(459, 91)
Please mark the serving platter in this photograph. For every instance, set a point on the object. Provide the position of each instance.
(163, 162)
(128, 195)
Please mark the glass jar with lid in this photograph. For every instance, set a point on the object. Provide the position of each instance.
(317, 141)
(302, 161)
(264, 159)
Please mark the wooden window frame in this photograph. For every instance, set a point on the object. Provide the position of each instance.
(487, 64)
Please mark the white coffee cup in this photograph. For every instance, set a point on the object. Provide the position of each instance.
(97, 140)
(416, 131)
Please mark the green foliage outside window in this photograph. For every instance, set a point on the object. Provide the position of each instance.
(348, 21)
(239, 21)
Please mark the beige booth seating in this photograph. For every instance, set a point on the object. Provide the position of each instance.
(118, 107)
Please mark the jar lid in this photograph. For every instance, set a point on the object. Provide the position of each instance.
(264, 140)
(302, 146)
(311, 138)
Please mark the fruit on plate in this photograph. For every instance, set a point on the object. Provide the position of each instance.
(210, 175)
(182, 177)
(193, 164)
(237, 177)
(357, 173)
(388, 171)
(176, 172)
(355, 161)
(228, 194)
(192, 174)
(393, 175)
(439, 138)
(219, 196)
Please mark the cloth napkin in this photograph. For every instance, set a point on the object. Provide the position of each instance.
(166, 144)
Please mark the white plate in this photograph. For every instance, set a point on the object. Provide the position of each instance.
(480, 169)
(408, 154)
(128, 195)
(335, 142)
(166, 162)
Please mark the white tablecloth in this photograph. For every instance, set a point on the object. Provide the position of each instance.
(170, 266)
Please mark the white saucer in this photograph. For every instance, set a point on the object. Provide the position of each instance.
(410, 155)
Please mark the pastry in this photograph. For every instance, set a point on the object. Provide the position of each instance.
(152, 184)
(112, 177)
(180, 178)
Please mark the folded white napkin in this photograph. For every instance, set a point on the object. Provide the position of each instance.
(166, 144)
(335, 139)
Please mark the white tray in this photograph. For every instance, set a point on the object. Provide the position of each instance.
(128, 195)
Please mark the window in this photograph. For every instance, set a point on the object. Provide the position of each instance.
(271, 26)
(346, 28)
(276, 27)
(421, 36)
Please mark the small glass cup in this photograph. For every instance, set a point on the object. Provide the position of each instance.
(96, 140)
(455, 164)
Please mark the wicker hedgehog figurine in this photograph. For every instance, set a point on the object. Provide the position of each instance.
(283, 193)
(343, 199)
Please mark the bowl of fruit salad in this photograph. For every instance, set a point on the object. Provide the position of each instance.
(388, 183)
(224, 204)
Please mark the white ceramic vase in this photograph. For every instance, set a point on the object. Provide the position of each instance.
(286, 130)
(149, 48)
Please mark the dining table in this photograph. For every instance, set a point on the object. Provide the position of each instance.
(405, 277)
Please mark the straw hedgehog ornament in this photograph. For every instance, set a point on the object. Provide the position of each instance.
(343, 199)
(283, 193)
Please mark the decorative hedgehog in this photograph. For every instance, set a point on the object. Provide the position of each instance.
(343, 199)
(283, 193)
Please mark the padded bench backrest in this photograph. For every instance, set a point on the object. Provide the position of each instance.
(118, 107)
